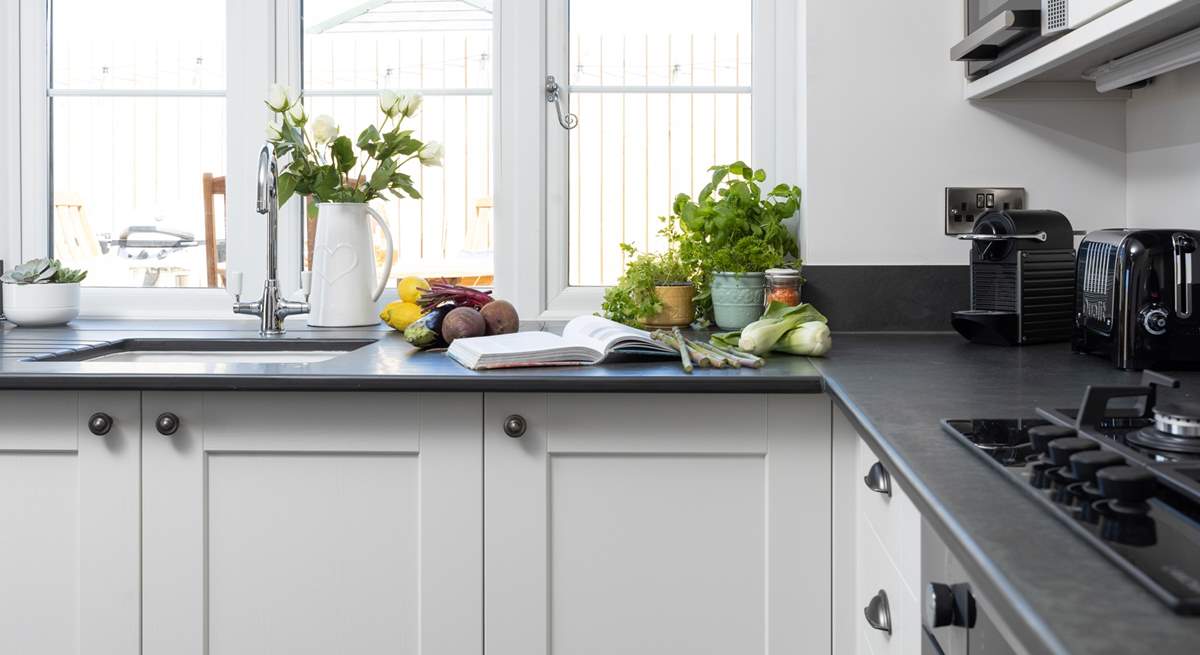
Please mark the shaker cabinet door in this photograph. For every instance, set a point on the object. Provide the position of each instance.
(656, 524)
(312, 523)
(69, 552)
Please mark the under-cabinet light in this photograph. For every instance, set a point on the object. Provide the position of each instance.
(1172, 54)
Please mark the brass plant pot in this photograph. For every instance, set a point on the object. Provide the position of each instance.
(678, 306)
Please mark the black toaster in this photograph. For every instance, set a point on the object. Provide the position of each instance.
(1133, 298)
(1022, 278)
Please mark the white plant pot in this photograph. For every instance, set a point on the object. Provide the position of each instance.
(36, 305)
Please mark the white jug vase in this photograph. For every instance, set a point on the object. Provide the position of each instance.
(344, 285)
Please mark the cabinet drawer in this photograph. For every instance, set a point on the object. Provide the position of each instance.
(893, 520)
(875, 572)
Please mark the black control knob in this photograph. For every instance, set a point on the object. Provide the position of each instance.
(949, 605)
(167, 424)
(100, 423)
(1085, 465)
(939, 605)
(1154, 320)
(1126, 484)
(1061, 450)
(515, 426)
(1042, 435)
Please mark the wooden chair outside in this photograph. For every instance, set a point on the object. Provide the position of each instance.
(74, 240)
(213, 186)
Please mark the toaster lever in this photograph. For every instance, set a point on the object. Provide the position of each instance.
(1184, 245)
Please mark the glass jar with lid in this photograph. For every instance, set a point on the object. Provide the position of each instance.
(783, 285)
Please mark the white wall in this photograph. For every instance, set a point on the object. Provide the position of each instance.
(888, 130)
(1163, 137)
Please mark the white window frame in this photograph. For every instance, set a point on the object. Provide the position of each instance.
(773, 122)
(530, 230)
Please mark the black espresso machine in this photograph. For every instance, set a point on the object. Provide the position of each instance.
(1022, 278)
(1135, 301)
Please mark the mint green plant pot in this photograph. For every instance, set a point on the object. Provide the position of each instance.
(737, 299)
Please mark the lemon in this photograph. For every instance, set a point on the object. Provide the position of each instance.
(400, 314)
(410, 288)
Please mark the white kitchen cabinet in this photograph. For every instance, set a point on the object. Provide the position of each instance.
(69, 523)
(657, 524)
(877, 548)
(312, 523)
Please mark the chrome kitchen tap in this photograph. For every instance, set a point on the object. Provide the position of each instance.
(272, 308)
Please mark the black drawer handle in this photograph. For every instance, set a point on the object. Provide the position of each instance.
(879, 615)
(515, 425)
(167, 424)
(100, 424)
(878, 479)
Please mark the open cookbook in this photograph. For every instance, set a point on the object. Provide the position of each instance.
(585, 340)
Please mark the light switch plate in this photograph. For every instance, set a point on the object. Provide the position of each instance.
(964, 205)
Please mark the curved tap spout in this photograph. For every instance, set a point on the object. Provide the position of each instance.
(268, 179)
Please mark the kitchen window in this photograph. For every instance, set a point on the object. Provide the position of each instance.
(127, 120)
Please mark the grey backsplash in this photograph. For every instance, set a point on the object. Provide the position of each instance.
(887, 298)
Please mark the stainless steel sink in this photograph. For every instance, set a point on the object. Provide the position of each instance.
(210, 351)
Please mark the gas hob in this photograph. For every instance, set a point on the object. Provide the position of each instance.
(1126, 479)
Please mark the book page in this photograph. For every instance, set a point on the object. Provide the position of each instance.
(606, 335)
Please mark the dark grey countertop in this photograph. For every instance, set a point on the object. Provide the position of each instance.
(1058, 593)
(389, 364)
(1055, 590)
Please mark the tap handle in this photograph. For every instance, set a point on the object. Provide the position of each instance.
(233, 284)
(306, 283)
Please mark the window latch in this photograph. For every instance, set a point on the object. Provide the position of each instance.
(553, 90)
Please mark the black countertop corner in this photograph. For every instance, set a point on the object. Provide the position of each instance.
(1055, 592)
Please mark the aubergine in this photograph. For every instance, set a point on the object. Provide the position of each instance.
(426, 332)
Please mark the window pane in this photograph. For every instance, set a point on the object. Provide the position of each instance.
(442, 48)
(138, 44)
(637, 145)
(138, 134)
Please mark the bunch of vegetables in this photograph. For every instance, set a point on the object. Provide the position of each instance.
(43, 271)
(799, 330)
(434, 315)
(633, 299)
(694, 353)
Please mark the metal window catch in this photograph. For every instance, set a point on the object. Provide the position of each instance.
(553, 91)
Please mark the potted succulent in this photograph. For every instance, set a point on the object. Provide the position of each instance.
(654, 291)
(729, 235)
(41, 292)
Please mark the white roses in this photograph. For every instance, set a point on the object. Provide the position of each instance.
(280, 98)
(394, 104)
(324, 129)
(432, 153)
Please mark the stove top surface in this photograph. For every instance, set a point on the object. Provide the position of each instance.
(1114, 478)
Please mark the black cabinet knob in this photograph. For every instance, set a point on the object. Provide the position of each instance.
(167, 424)
(878, 613)
(1061, 449)
(514, 426)
(1128, 484)
(100, 423)
(878, 479)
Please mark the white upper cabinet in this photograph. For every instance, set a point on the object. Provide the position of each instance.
(69, 552)
(657, 524)
(312, 523)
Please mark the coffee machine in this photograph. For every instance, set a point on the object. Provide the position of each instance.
(1022, 278)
